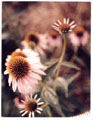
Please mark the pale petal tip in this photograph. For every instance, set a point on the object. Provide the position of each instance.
(5, 72)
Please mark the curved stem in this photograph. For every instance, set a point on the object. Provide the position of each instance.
(62, 56)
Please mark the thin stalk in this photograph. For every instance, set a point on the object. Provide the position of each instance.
(62, 56)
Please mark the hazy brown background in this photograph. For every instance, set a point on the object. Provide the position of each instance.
(18, 18)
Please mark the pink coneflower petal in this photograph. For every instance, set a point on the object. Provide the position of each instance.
(24, 113)
(74, 40)
(56, 24)
(40, 50)
(30, 53)
(68, 21)
(32, 81)
(35, 96)
(70, 30)
(59, 22)
(27, 81)
(56, 28)
(38, 111)
(39, 71)
(21, 106)
(73, 26)
(34, 75)
(8, 58)
(64, 20)
(40, 103)
(33, 61)
(38, 100)
(84, 40)
(43, 46)
(30, 114)
(33, 114)
(38, 66)
(14, 84)
(22, 89)
(72, 23)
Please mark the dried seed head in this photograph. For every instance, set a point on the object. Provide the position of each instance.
(18, 67)
(79, 31)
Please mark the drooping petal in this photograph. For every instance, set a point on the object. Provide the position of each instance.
(64, 20)
(40, 109)
(33, 115)
(59, 22)
(38, 100)
(73, 26)
(39, 71)
(35, 96)
(5, 72)
(14, 84)
(72, 23)
(24, 113)
(40, 103)
(30, 114)
(9, 80)
(68, 21)
(35, 75)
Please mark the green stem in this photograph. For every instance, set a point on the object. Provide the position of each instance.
(62, 56)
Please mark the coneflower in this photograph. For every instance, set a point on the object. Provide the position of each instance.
(29, 105)
(35, 41)
(65, 26)
(24, 72)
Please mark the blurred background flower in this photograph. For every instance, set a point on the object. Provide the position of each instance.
(20, 18)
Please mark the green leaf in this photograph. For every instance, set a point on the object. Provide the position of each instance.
(80, 61)
(47, 111)
(70, 65)
(62, 83)
(50, 97)
(50, 67)
(51, 63)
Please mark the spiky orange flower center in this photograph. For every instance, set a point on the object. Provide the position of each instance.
(79, 31)
(32, 37)
(31, 105)
(18, 67)
(64, 28)
(20, 53)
